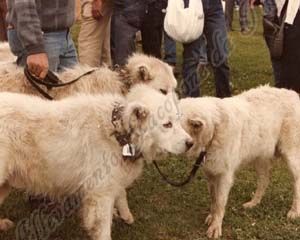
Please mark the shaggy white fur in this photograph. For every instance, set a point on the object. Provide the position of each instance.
(252, 127)
(6, 55)
(56, 147)
(139, 69)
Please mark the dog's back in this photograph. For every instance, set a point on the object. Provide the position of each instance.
(6, 55)
(38, 137)
(264, 114)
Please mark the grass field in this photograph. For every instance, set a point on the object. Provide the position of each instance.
(165, 213)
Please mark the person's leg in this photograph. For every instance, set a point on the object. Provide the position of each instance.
(106, 50)
(122, 39)
(229, 7)
(68, 56)
(170, 50)
(276, 65)
(291, 56)
(270, 9)
(151, 40)
(203, 60)
(152, 29)
(94, 36)
(244, 7)
(91, 37)
(59, 48)
(126, 21)
(3, 11)
(53, 43)
(217, 45)
(191, 82)
(270, 12)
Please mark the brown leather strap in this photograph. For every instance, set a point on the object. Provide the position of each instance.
(51, 81)
(192, 174)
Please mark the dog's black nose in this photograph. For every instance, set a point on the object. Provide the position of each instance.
(189, 144)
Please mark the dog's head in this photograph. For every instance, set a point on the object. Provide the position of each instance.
(200, 117)
(154, 122)
(151, 71)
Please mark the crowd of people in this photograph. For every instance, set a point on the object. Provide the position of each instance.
(38, 32)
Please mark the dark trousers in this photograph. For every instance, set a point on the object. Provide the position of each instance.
(243, 12)
(170, 50)
(290, 62)
(217, 52)
(3, 11)
(152, 30)
(270, 12)
(130, 19)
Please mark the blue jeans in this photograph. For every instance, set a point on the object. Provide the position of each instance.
(59, 47)
(170, 50)
(217, 52)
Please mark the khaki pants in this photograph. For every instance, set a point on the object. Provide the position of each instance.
(94, 37)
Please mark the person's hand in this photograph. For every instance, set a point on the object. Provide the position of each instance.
(38, 65)
(96, 9)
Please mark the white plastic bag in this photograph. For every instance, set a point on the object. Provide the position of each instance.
(184, 25)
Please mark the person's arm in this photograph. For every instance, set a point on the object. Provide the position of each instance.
(31, 36)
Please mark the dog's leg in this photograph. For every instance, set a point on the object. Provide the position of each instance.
(211, 183)
(97, 216)
(263, 174)
(224, 183)
(5, 224)
(294, 166)
(123, 208)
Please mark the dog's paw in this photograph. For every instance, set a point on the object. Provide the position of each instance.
(292, 214)
(116, 214)
(214, 230)
(209, 219)
(250, 204)
(128, 218)
(6, 224)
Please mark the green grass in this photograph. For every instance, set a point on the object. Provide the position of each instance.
(166, 213)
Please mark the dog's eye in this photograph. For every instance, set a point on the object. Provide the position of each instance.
(163, 91)
(168, 125)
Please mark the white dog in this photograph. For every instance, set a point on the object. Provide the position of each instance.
(249, 128)
(139, 69)
(6, 55)
(58, 148)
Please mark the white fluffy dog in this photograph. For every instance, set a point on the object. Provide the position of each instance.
(56, 147)
(139, 69)
(252, 127)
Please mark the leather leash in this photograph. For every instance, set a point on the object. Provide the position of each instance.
(51, 81)
(192, 174)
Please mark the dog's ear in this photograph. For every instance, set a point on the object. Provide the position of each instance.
(196, 125)
(138, 115)
(144, 73)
